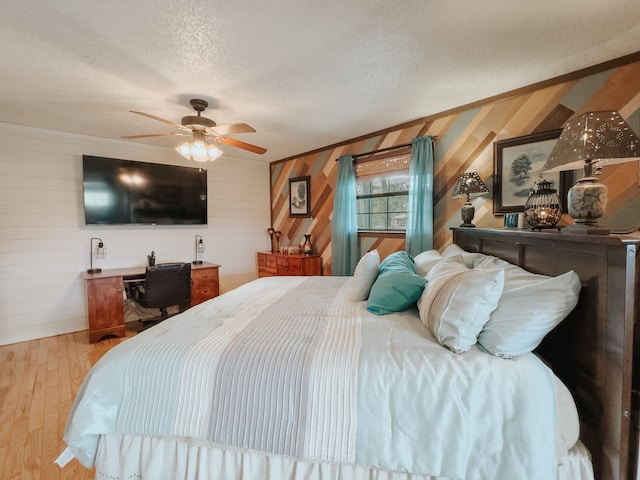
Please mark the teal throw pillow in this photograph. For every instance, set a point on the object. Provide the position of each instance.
(397, 287)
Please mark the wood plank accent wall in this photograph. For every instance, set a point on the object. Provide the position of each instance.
(465, 143)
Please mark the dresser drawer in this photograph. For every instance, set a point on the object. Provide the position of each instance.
(294, 266)
(266, 260)
(266, 265)
(282, 265)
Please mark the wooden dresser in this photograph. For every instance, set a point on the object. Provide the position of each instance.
(105, 295)
(270, 264)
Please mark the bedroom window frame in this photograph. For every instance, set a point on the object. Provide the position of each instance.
(383, 170)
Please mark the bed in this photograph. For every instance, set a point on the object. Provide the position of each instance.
(289, 377)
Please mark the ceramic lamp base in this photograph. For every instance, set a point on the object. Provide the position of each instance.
(587, 202)
(467, 212)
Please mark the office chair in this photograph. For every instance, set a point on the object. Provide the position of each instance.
(165, 285)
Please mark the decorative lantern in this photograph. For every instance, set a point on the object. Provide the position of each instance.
(542, 209)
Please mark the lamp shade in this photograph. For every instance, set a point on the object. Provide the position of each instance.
(469, 183)
(600, 138)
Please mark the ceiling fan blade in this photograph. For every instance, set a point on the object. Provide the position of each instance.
(230, 129)
(163, 120)
(156, 135)
(238, 144)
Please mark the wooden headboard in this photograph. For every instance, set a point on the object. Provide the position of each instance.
(592, 350)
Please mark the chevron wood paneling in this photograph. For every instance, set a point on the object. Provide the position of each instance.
(465, 142)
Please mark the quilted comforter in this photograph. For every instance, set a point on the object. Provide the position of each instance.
(291, 366)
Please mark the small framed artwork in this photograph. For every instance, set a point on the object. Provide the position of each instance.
(517, 165)
(299, 197)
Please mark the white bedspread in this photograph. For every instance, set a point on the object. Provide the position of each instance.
(306, 373)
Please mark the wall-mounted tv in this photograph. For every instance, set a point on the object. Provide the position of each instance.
(121, 192)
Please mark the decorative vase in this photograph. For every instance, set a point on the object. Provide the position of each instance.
(542, 209)
(307, 248)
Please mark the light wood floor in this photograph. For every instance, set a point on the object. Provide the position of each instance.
(38, 382)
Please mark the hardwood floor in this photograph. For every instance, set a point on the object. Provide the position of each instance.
(38, 382)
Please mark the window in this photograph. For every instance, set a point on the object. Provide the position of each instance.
(382, 190)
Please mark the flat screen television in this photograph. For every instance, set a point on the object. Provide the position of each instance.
(125, 192)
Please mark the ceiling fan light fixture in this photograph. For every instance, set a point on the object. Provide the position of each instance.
(199, 151)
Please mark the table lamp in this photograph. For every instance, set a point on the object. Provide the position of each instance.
(469, 183)
(199, 249)
(593, 139)
(99, 252)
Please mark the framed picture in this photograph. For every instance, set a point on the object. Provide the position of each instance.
(299, 197)
(517, 164)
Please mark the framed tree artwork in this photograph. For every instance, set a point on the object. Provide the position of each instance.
(517, 166)
(299, 197)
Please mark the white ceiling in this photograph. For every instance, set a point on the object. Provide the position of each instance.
(303, 73)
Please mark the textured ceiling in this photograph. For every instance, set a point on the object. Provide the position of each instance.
(304, 74)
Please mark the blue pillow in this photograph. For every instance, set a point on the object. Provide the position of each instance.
(397, 286)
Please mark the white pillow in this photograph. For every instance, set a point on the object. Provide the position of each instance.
(469, 258)
(364, 275)
(457, 302)
(531, 305)
(425, 261)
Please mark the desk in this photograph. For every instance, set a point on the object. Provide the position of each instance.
(105, 296)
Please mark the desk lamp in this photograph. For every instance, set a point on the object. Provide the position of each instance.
(469, 183)
(590, 140)
(99, 252)
(199, 249)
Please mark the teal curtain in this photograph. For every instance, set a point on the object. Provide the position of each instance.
(344, 225)
(419, 235)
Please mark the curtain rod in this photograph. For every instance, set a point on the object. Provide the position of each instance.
(395, 147)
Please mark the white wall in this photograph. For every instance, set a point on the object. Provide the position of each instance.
(44, 243)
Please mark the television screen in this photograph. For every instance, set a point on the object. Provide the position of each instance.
(128, 192)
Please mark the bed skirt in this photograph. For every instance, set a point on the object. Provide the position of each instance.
(130, 456)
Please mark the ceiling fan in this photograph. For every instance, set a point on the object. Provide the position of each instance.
(202, 129)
